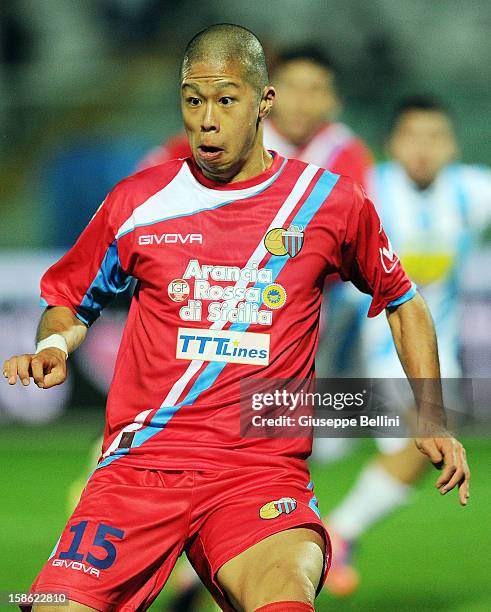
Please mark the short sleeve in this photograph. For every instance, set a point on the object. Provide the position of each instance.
(90, 275)
(369, 261)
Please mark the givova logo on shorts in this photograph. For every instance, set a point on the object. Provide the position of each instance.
(273, 509)
(222, 345)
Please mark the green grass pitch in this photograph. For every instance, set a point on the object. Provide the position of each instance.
(431, 555)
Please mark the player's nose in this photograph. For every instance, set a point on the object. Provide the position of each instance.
(209, 122)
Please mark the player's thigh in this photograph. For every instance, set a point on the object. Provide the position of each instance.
(287, 565)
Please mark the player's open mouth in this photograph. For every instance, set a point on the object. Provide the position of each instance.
(209, 152)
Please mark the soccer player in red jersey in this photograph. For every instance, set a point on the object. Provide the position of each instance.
(230, 249)
(302, 125)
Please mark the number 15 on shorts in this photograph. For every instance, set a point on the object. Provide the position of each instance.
(102, 551)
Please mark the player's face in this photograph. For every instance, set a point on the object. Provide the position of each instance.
(306, 98)
(221, 113)
(423, 142)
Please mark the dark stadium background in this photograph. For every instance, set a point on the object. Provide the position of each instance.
(86, 88)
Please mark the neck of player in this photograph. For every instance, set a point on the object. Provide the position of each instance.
(257, 161)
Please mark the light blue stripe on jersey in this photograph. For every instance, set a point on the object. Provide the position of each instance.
(109, 281)
(205, 380)
(219, 205)
(404, 298)
(313, 502)
(314, 507)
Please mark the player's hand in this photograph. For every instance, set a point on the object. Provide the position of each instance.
(448, 454)
(47, 368)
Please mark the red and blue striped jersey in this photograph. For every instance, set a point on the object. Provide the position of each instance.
(229, 283)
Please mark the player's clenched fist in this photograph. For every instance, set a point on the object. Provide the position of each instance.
(449, 455)
(47, 368)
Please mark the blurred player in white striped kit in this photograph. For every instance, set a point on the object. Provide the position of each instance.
(434, 209)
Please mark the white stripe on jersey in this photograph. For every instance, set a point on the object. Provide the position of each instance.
(135, 426)
(259, 253)
(183, 196)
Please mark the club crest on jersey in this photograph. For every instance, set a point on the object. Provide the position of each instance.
(280, 241)
(274, 296)
(178, 290)
(273, 509)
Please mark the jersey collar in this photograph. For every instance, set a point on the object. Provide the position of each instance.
(238, 185)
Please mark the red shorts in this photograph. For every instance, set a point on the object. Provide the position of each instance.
(131, 524)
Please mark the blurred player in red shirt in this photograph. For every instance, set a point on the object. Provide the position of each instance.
(303, 122)
(248, 236)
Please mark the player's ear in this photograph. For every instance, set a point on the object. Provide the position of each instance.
(267, 101)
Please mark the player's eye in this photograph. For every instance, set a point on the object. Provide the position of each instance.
(193, 101)
(226, 100)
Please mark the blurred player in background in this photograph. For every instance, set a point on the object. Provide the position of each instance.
(303, 125)
(434, 209)
(304, 121)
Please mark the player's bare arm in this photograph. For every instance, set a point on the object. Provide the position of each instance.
(414, 337)
(47, 367)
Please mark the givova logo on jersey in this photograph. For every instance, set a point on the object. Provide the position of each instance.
(222, 345)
